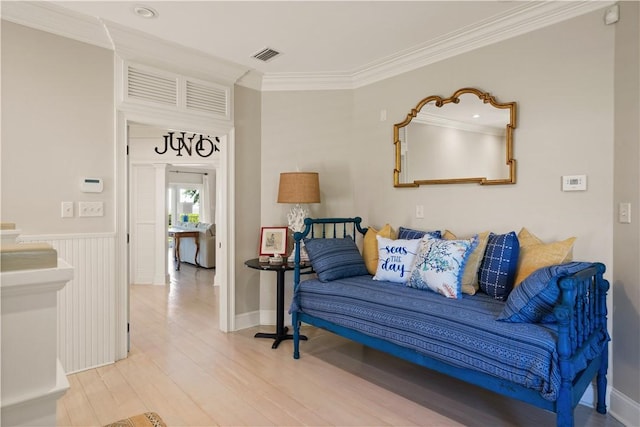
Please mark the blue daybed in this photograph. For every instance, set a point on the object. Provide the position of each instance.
(549, 365)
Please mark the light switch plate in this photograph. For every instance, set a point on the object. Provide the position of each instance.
(90, 209)
(67, 210)
(624, 213)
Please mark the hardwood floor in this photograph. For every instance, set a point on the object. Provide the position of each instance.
(182, 367)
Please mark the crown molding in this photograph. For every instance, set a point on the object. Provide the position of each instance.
(54, 19)
(140, 47)
(528, 17)
(252, 79)
(307, 81)
(136, 46)
(127, 43)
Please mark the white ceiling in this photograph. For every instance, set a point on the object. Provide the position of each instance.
(313, 37)
(365, 40)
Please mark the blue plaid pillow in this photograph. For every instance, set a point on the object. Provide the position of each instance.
(534, 299)
(409, 234)
(498, 268)
(333, 259)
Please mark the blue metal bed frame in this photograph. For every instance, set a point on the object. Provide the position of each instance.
(581, 314)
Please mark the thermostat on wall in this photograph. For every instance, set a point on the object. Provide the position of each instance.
(574, 183)
(91, 185)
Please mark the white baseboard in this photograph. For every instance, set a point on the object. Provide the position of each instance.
(619, 406)
(624, 409)
(267, 317)
(161, 279)
(261, 317)
(589, 396)
(247, 320)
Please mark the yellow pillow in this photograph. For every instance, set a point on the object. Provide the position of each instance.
(370, 246)
(470, 283)
(526, 238)
(447, 235)
(535, 255)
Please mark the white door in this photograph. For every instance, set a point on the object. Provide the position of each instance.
(143, 224)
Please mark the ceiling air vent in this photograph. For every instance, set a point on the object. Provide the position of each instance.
(148, 86)
(266, 54)
(209, 98)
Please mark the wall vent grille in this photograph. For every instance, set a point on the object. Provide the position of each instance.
(208, 98)
(175, 92)
(148, 86)
(266, 54)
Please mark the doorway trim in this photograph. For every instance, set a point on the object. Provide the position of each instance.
(225, 237)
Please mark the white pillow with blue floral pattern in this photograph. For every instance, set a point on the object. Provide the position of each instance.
(395, 259)
(439, 265)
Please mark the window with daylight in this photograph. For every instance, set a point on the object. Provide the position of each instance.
(184, 202)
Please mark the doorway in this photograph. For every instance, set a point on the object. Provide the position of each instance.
(223, 213)
(167, 192)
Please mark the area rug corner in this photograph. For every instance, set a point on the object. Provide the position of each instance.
(148, 419)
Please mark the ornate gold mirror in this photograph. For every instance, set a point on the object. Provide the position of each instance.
(465, 138)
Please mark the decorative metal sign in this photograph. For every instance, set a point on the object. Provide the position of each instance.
(198, 143)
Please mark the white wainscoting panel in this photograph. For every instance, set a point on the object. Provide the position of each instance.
(86, 305)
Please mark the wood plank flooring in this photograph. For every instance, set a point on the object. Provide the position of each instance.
(182, 367)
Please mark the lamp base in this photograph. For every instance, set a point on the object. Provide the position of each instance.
(304, 256)
(296, 217)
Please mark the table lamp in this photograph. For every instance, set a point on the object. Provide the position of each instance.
(298, 188)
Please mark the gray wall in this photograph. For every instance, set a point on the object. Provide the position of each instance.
(563, 78)
(309, 131)
(565, 127)
(57, 127)
(247, 119)
(626, 269)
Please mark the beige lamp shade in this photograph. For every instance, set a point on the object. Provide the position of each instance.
(299, 187)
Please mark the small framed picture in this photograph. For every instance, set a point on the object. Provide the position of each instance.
(273, 240)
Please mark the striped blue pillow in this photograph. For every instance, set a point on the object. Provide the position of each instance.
(498, 268)
(409, 234)
(333, 259)
(534, 299)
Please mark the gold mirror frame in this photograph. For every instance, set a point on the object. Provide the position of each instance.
(438, 101)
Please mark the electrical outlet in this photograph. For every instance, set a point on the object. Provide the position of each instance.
(419, 211)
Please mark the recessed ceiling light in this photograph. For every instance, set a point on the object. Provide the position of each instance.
(145, 12)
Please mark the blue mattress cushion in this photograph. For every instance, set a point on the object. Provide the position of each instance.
(498, 268)
(440, 264)
(459, 332)
(462, 332)
(534, 299)
(333, 259)
(408, 233)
